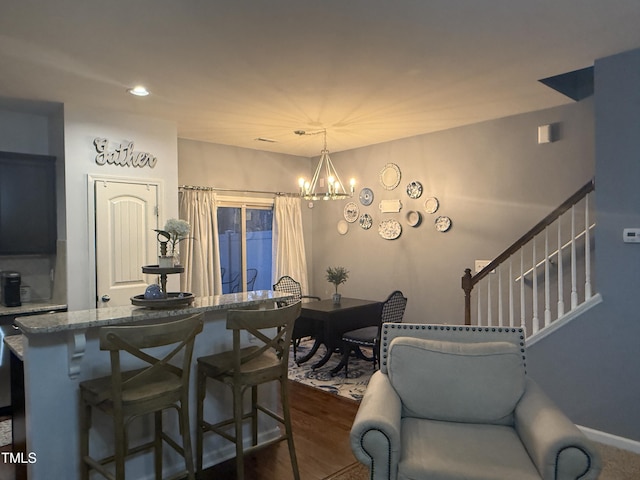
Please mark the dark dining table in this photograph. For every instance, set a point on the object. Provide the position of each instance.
(330, 321)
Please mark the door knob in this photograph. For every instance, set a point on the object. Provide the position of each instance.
(105, 298)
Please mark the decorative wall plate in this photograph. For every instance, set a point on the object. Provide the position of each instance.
(351, 212)
(366, 221)
(431, 205)
(443, 224)
(389, 229)
(366, 196)
(390, 176)
(414, 189)
(343, 227)
(414, 218)
(390, 206)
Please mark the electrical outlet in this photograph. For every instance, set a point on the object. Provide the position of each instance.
(480, 264)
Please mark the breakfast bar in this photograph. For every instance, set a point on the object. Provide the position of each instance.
(61, 350)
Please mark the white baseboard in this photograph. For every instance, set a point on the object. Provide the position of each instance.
(611, 440)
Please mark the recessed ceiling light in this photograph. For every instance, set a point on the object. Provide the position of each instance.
(138, 91)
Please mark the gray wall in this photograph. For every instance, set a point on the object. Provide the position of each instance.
(493, 179)
(589, 366)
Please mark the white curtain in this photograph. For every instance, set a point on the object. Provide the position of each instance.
(201, 254)
(288, 242)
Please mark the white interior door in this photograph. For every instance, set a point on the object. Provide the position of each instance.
(126, 214)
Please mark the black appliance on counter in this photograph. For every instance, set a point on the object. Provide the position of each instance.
(10, 286)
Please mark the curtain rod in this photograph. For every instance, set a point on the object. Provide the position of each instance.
(233, 190)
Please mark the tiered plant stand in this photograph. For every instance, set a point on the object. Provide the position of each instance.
(172, 299)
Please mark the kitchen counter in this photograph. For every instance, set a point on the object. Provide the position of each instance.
(14, 342)
(71, 321)
(32, 308)
(63, 349)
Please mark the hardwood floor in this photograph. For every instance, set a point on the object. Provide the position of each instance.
(321, 425)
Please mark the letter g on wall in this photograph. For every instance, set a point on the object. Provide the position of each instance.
(101, 146)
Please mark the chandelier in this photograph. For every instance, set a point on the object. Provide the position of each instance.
(333, 188)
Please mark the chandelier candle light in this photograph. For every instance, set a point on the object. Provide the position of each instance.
(334, 188)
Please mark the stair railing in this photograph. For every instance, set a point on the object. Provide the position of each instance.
(526, 267)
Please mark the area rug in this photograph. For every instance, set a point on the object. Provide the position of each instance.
(352, 387)
(5, 433)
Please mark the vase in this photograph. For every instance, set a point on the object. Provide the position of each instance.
(165, 261)
(336, 298)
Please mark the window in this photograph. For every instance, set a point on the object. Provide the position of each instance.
(245, 233)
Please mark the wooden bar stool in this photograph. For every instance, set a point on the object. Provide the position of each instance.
(129, 394)
(264, 361)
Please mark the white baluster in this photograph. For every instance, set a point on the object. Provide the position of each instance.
(489, 312)
(587, 251)
(522, 306)
(479, 306)
(560, 273)
(547, 286)
(534, 272)
(511, 318)
(574, 280)
(500, 319)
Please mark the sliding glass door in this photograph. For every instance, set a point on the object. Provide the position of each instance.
(245, 229)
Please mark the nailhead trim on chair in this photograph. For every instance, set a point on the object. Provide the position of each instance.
(387, 326)
(372, 473)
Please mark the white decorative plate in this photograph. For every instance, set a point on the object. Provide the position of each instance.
(443, 224)
(366, 196)
(389, 229)
(431, 205)
(351, 212)
(414, 189)
(390, 206)
(390, 176)
(414, 218)
(366, 221)
(343, 227)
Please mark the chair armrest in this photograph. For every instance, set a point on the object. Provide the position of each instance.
(375, 434)
(557, 447)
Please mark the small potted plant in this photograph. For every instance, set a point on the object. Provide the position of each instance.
(173, 233)
(337, 276)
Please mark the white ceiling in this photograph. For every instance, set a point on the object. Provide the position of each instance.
(368, 71)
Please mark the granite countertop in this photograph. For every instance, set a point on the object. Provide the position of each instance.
(14, 342)
(82, 319)
(32, 307)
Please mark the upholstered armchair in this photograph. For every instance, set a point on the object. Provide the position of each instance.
(454, 402)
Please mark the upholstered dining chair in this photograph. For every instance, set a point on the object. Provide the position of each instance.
(265, 360)
(304, 328)
(125, 395)
(392, 311)
(456, 402)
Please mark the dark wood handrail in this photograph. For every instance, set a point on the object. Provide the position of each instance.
(469, 280)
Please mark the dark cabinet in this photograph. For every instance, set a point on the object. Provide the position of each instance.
(27, 204)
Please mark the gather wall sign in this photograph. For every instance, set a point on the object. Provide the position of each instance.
(123, 155)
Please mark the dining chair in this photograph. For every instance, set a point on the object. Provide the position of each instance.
(392, 311)
(265, 360)
(304, 328)
(125, 395)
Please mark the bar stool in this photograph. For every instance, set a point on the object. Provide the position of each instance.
(125, 395)
(264, 361)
